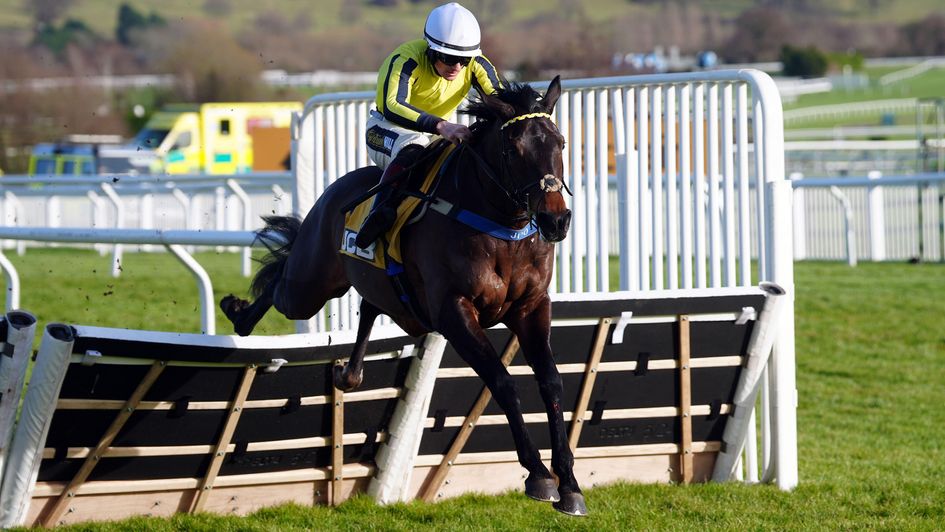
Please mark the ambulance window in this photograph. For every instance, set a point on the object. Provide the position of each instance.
(150, 138)
(45, 165)
(68, 167)
(182, 141)
(225, 127)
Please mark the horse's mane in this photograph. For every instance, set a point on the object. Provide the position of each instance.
(522, 97)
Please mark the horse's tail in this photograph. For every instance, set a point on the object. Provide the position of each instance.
(278, 236)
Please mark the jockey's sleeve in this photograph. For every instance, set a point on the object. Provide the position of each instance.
(397, 87)
(485, 77)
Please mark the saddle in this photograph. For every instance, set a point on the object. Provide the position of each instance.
(385, 253)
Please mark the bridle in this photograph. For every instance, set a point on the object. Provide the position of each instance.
(517, 196)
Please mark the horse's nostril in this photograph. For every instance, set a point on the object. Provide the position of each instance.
(554, 226)
(565, 221)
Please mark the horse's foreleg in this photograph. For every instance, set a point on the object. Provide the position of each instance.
(533, 332)
(348, 377)
(458, 324)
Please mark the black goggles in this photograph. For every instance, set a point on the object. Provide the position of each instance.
(451, 60)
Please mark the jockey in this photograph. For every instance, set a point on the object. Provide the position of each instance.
(418, 84)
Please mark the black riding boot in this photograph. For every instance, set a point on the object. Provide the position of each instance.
(381, 218)
(384, 211)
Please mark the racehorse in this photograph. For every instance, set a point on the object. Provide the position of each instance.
(464, 280)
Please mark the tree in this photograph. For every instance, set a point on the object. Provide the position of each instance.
(759, 34)
(222, 71)
(29, 116)
(46, 12)
(58, 38)
(804, 62)
(131, 20)
(272, 22)
(924, 37)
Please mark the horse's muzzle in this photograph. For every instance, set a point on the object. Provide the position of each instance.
(553, 226)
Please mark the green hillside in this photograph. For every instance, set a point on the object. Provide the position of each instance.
(324, 15)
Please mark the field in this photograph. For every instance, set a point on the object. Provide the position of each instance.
(871, 378)
(100, 15)
(926, 85)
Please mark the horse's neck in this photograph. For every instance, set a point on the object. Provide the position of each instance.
(469, 186)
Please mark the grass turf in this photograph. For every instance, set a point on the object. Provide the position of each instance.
(871, 378)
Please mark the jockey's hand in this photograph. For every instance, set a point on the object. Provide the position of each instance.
(454, 133)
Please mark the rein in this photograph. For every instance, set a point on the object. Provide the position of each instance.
(487, 169)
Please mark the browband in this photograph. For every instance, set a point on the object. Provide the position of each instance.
(524, 117)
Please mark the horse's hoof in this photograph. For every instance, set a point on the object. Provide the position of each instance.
(226, 304)
(571, 504)
(231, 305)
(337, 377)
(542, 489)
(339, 380)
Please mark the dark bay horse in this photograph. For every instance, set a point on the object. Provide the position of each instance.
(464, 281)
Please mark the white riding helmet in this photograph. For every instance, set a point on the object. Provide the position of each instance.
(452, 29)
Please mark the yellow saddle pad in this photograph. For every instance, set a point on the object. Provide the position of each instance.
(375, 254)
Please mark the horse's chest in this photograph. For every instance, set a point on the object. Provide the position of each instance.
(506, 282)
(493, 275)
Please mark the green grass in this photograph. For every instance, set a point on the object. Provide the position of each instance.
(926, 85)
(871, 383)
(154, 290)
(101, 15)
(929, 84)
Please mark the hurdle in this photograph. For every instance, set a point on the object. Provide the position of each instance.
(679, 176)
(661, 377)
(17, 329)
(119, 423)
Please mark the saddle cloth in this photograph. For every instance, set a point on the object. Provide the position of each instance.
(377, 254)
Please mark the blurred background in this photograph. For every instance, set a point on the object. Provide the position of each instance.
(95, 71)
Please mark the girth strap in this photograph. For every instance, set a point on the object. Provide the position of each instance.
(405, 292)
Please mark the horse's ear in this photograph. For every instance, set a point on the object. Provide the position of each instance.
(552, 94)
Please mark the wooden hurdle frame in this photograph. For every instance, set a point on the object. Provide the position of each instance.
(685, 461)
(701, 355)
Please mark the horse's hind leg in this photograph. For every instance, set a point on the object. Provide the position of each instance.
(245, 315)
(348, 377)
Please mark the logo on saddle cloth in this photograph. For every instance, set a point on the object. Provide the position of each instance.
(376, 254)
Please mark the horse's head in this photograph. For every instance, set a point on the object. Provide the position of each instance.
(523, 146)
